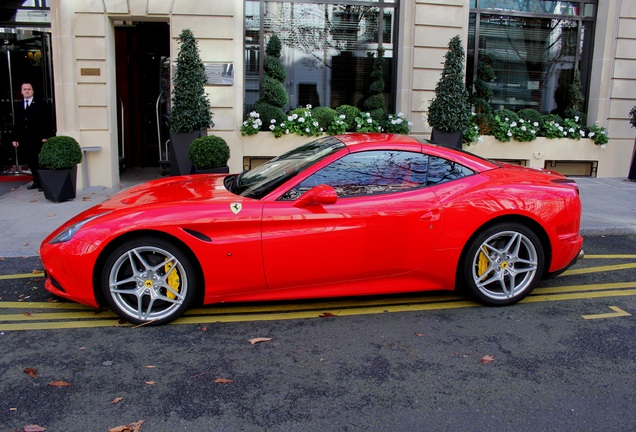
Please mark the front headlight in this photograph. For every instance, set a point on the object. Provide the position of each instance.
(68, 233)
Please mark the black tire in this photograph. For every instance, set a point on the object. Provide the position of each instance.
(159, 289)
(503, 264)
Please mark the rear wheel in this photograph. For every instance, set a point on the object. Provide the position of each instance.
(503, 264)
(148, 280)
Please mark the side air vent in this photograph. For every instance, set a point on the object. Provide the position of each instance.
(198, 235)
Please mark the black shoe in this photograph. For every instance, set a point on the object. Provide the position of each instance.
(33, 186)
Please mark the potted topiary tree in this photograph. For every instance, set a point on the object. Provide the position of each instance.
(375, 103)
(58, 167)
(632, 168)
(274, 96)
(209, 154)
(190, 114)
(449, 110)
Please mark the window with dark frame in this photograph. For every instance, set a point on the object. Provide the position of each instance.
(328, 49)
(536, 45)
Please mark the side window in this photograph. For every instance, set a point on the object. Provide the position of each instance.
(442, 170)
(369, 173)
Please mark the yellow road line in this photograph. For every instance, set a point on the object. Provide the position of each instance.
(43, 305)
(36, 316)
(598, 269)
(590, 287)
(610, 256)
(617, 313)
(35, 274)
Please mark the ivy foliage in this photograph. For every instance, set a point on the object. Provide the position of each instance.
(190, 110)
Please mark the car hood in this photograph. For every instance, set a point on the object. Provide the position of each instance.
(173, 190)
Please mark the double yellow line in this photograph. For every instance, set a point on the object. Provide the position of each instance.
(38, 315)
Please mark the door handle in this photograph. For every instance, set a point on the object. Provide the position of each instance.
(431, 215)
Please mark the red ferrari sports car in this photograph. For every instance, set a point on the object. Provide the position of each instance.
(343, 215)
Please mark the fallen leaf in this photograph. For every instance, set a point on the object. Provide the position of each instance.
(13, 409)
(117, 400)
(32, 372)
(260, 339)
(26, 313)
(222, 381)
(132, 427)
(59, 384)
(33, 428)
(86, 198)
(25, 244)
(150, 367)
(420, 334)
(151, 382)
(487, 359)
(37, 271)
(327, 315)
(204, 328)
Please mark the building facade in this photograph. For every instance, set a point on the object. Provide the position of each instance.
(112, 64)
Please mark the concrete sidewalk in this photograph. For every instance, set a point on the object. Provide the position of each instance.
(609, 208)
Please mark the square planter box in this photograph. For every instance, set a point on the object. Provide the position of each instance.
(59, 185)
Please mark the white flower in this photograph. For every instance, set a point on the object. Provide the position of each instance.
(513, 124)
(369, 120)
(308, 106)
(286, 131)
(272, 121)
(272, 127)
(521, 121)
(342, 116)
(509, 133)
(254, 114)
(576, 119)
(315, 124)
(255, 126)
(523, 128)
(534, 132)
(368, 114)
(535, 124)
(591, 134)
(307, 130)
(582, 132)
(301, 119)
(479, 139)
(572, 130)
(507, 119)
(294, 116)
(400, 115)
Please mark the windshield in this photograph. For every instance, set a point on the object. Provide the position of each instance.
(260, 181)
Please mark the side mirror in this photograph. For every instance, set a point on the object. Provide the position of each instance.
(321, 194)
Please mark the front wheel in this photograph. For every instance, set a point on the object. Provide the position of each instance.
(148, 280)
(503, 264)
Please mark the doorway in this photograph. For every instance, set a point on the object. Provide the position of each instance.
(143, 92)
(25, 56)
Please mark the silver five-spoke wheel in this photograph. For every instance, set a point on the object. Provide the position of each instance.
(504, 264)
(148, 280)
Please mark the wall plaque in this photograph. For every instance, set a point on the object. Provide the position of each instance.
(219, 73)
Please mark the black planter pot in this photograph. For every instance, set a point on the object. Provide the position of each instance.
(58, 185)
(219, 170)
(448, 139)
(632, 168)
(179, 148)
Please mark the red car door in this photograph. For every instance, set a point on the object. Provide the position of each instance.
(355, 240)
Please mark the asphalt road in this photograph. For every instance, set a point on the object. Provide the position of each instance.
(563, 360)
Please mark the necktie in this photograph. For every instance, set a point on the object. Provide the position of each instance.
(26, 104)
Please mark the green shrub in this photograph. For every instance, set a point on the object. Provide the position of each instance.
(507, 115)
(578, 116)
(552, 126)
(268, 112)
(449, 110)
(324, 116)
(190, 109)
(530, 115)
(209, 152)
(397, 124)
(350, 112)
(60, 152)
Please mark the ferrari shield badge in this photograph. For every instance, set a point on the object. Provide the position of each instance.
(236, 207)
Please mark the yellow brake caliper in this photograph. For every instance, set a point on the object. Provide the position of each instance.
(482, 263)
(173, 280)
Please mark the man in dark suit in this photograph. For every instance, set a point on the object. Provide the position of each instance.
(32, 128)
